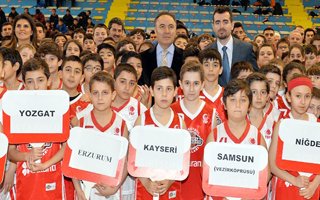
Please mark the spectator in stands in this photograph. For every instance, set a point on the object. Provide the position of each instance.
(39, 16)
(3, 18)
(6, 29)
(153, 36)
(49, 29)
(260, 40)
(79, 34)
(181, 41)
(300, 29)
(138, 36)
(26, 11)
(125, 44)
(110, 41)
(204, 41)
(269, 34)
(13, 13)
(67, 18)
(116, 28)
(82, 17)
(316, 41)
(60, 39)
(41, 31)
(25, 32)
(295, 38)
(308, 35)
(54, 18)
(282, 47)
(89, 29)
(100, 32)
(229, 46)
(277, 37)
(75, 24)
(182, 29)
(89, 22)
(165, 52)
(239, 30)
(145, 46)
(61, 27)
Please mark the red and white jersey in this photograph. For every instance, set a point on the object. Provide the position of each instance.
(116, 126)
(76, 106)
(130, 111)
(251, 135)
(199, 126)
(174, 192)
(216, 102)
(46, 184)
(283, 190)
(281, 104)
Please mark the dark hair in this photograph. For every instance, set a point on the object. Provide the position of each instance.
(314, 70)
(165, 13)
(124, 42)
(234, 86)
(138, 31)
(310, 49)
(262, 36)
(256, 76)
(115, 20)
(88, 36)
(298, 46)
(237, 25)
(102, 77)
(283, 40)
(291, 66)
(100, 26)
(130, 54)
(69, 42)
(125, 67)
(161, 73)
(266, 45)
(315, 38)
(106, 46)
(71, 59)
(192, 66)
(39, 24)
(78, 30)
(315, 93)
(270, 69)
(182, 26)
(146, 43)
(35, 64)
(60, 35)
(223, 9)
(309, 30)
(49, 48)
(189, 52)
(240, 66)
(210, 54)
(120, 54)
(13, 56)
(94, 57)
(269, 28)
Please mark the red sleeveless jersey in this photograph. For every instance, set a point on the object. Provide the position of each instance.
(174, 192)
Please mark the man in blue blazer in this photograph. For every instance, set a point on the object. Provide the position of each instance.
(232, 50)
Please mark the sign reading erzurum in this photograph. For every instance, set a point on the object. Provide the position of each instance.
(94, 156)
(235, 170)
(36, 116)
(3, 154)
(299, 146)
(159, 153)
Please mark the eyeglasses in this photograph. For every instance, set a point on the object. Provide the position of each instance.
(92, 69)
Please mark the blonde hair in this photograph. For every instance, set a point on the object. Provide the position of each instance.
(28, 46)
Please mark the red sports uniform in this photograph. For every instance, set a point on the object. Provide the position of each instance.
(47, 184)
(199, 125)
(174, 192)
(283, 190)
(281, 104)
(77, 105)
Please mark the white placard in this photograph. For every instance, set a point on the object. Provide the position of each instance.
(39, 111)
(160, 148)
(235, 165)
(3, 145)
(96, 152)
(301, 140)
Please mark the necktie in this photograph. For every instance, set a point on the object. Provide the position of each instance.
(226, 66)
(164, 61)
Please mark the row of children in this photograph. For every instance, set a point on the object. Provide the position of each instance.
(243, 112)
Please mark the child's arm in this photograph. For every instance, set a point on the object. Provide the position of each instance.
(264, 144)
(105, 190)
(53, 160)
(310, 190)
(8, 178)
(79, 192)
(299, 181)
(14, 155)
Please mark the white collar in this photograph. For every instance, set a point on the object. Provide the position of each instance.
(229, 44)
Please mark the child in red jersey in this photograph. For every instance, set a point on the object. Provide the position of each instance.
(289, 184)
(103, 119)
(198, 116)
(163, 89)
(237, 98)
(35, 180)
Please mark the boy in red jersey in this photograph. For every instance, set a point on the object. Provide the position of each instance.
(102, 118)
(163, 89)
(290, 184)
(47, 174)
(197, 115)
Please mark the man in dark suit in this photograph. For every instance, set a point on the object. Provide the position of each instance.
(232, 50)
(164, 53)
